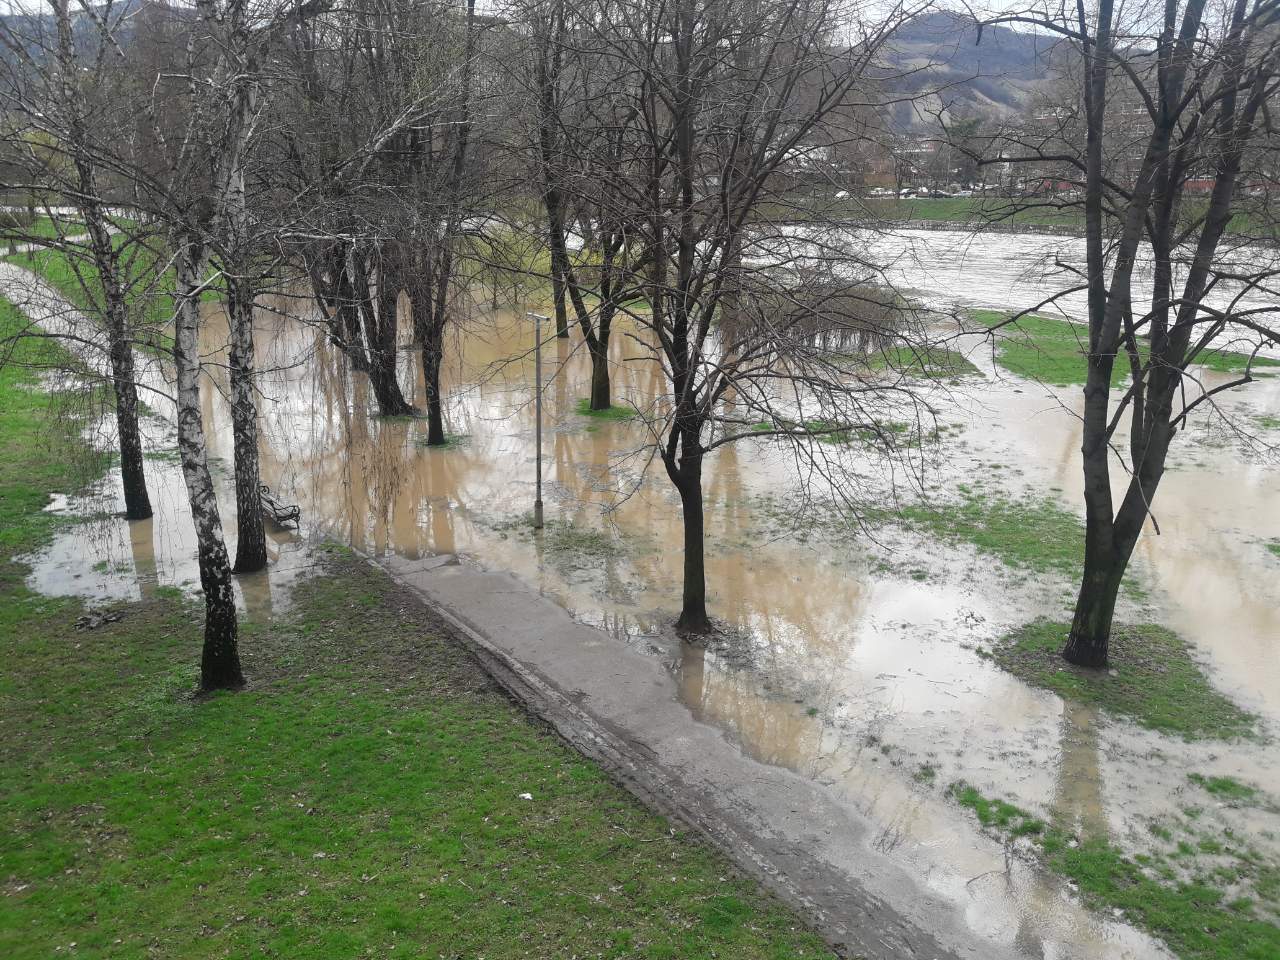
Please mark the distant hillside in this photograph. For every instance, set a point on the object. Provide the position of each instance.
(990, 78)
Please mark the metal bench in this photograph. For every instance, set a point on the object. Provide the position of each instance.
(283, 514)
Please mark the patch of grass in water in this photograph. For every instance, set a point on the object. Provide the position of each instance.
(1035, 534)
(619, 411)
(829, 432)
(568, 544)
(996, 813)
(1274, 547)
(1153, 679)
(1194, 918)
(930, 363)
(1053, 351)
(1045, 349)
(451, 442)
(1228, 788)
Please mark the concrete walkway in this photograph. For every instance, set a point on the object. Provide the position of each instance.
(621, 708)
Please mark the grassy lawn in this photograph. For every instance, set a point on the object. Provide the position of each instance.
(83, 289)
(1052, 351)
(973, 212)
(1185, 891)
(1153, 679)
(370, 793)
(1031, 534)
(929, 363)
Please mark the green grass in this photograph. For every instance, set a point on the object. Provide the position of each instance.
(1194, 917)
(924, 362)
(619, 411)
(1153, 681)
(1045, 349)
(974, 211)
(962, 211)
(996, 813)
(38, 449)
(1226, 788)
(362, 797)
(1032, 534)
(44, 228)
(1053, 351)
(149, 286)
(1274, 547)
(970, 210)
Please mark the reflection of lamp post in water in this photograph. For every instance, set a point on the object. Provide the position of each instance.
(537, 319)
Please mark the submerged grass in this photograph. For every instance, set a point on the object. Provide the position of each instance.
(1034, 534)
(1194, 917)
(619, 411)
(1053, 351)
(996, 813)
(925, 362)
(1153, 680)
(1228, 788)
(370, 793)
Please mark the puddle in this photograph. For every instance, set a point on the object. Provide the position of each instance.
(851, 662)
(104, 557)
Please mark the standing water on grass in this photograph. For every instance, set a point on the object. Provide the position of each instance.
(859, 658)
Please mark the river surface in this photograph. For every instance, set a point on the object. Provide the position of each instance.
(852, 659)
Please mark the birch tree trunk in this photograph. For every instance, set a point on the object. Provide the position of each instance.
(220, 657)
(106, 263)
(251, 540)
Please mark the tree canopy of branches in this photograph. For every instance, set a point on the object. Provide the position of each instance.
(1167, 134)
(691, 131)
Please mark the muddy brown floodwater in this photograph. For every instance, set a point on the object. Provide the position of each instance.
(848, 659)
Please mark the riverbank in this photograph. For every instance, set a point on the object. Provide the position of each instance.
(346, 802)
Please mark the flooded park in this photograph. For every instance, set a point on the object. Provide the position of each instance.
(546, 480)
(853, 646)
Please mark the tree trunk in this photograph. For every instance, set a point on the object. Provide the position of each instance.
(137, 505)
(693, 607)
(220, 658)
(345, 326)
(432, 353)
(1087, 643)
(251, 539)
(380, 333)
(600, 392)
(562, 314)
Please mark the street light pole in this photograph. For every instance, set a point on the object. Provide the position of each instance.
(537, 402)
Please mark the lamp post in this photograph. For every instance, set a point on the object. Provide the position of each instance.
(537, 319)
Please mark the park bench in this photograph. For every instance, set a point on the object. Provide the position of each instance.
(283, 514)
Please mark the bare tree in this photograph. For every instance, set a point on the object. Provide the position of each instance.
(61, 87)
(1184, 88)
(196, 186)
(582, 140)
(726, 114)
